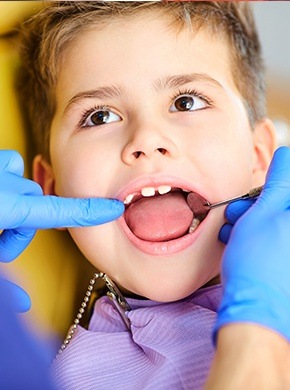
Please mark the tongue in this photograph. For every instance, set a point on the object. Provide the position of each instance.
(159, 218)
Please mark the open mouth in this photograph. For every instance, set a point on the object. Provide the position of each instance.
(164, 213)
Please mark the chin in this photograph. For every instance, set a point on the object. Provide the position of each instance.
(166, 293)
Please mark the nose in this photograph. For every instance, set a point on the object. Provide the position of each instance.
(148, 142)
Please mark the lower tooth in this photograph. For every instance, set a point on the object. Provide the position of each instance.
(194, 224)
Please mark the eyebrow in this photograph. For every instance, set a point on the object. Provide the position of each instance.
(162, 83)
(99, 93)
(179, 80)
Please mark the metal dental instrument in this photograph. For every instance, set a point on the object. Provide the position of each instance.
(253, 193)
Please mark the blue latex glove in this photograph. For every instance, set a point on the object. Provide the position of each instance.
(24, 361)
(233, 212)
(256, 262)
(24, 209)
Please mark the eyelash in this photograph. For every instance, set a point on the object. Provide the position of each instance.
(87, 112)
(194, 92)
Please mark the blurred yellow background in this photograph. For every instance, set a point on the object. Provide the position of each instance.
(51, 269)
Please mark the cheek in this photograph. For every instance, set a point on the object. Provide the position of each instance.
(82, 169)
(101, 247)
(75, 177)
(223, 151)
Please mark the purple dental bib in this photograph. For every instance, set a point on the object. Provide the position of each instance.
(169, 346)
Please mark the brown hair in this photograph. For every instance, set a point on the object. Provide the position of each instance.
(45, 36)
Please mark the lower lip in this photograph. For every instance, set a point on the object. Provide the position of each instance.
(164, 248)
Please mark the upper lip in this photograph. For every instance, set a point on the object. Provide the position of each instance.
(155, 181)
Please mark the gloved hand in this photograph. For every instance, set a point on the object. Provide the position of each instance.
(233, 212)
(256, 261)
(24, 209)
(24, 361)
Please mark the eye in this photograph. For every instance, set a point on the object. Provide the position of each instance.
(99, 117)
(189, 102)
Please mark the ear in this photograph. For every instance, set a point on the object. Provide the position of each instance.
(264, 144)
(43, 174)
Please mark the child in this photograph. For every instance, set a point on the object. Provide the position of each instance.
(145, 102)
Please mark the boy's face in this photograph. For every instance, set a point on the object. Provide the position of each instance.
(121, 126)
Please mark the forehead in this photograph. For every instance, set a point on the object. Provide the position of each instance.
(141, 49)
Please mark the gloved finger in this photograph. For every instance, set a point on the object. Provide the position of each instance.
(20, 299)
(11, 161)
(225, 232)
(18, 185)
(13, 242)
(46, 212)
(276, 192)
(236, 209)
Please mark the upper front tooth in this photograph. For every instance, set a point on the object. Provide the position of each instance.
(128, 198)
(163, 189)
(148, 191)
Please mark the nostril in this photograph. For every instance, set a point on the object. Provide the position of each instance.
(137, 154)
(162, 150)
